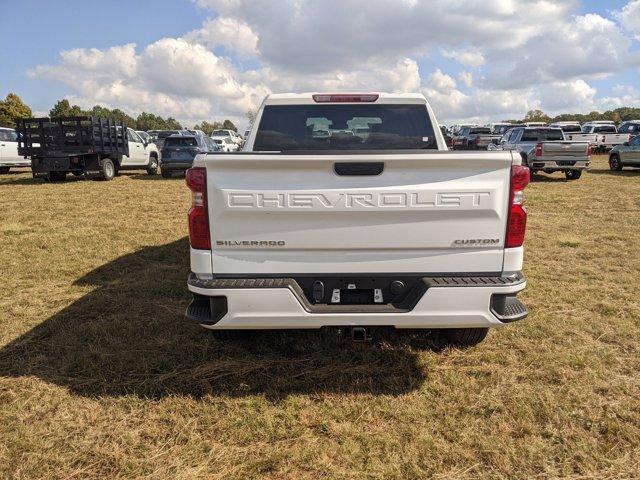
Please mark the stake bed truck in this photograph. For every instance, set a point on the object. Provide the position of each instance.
(95, 147)
(347, 210)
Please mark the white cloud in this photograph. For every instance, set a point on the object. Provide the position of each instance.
(466, 78)
(469, 58)
(452, 105)
(629, 17)
(623, 96)
(576, 95)
(169, 77)
(235, 35)
(306, 35)
(516, 55)
(119, 61)
(587, 46)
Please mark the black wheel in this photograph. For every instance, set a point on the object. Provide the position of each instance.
(4, 170)
(152, 169)
(107, 169)
(465, 337)
(166, 173)
(614, 163)
(57, 176)
(573, 174)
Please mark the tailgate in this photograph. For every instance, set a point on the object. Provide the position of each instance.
(565, 150)
(440, 212)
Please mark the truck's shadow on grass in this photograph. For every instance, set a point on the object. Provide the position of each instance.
(128, 336)
(633, 172)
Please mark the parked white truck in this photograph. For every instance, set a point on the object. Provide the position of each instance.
(9, 157)
(602, 136)
(312, 227)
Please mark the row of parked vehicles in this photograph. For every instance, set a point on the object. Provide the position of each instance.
(99, 148)
(560, 146)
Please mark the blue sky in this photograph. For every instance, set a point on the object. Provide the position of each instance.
(207, 59)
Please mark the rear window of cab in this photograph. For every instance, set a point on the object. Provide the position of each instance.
(344, 127)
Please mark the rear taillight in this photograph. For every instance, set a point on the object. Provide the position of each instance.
(517, 218)
(199, 236)
(477, 140)
(538, 151)
(589, 150)
(346, 98)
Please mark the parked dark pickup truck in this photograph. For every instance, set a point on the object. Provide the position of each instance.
(473, 138)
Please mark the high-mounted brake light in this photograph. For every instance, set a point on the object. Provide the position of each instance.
(199, 235)
(538, 151)
(517, 217)
(346, 98)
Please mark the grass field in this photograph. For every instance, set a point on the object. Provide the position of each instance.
(100, 376)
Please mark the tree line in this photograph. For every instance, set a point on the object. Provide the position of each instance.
(618, 116)
(13, 108)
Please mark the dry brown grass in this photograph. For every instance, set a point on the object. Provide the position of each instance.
(101, 377)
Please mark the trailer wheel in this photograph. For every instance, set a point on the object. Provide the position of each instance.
(152, 169)
(57, 176)
(107, 169)
(166, 173)
(465, 337)
(573, 174)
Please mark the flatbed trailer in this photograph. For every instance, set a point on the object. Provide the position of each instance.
(82, 145)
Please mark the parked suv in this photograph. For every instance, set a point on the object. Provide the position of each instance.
(473, 138)
(159, 136)
(179, 151)
(625, 155)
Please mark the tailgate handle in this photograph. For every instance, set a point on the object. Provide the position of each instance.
(358, 168)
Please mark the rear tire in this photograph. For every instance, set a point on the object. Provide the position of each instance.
(166, 173)
(573, 174)
(4, 170)
(465, 337)
(57, 176)
(152, 169)
(615, 165)
(107, 170)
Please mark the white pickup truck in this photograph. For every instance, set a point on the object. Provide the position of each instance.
(315, 225)
(602, 136)
(9, 157)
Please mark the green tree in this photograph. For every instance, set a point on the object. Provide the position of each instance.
(536, 116)
(172, 124)
(149, 121)
(229, 125)
(11, 109)
(64, 109)
(207, 127)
